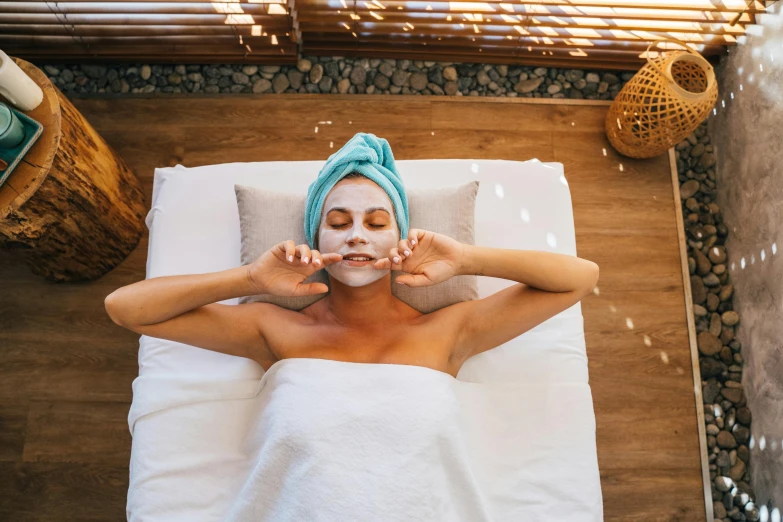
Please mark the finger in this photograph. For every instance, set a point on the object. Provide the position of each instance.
(304, 254)
(414, 236)
(290, 250)
(395, 257)
(330, 258)
(413, 280)
(310, 289)
(382, 264)
(317, 262)
(404, 247)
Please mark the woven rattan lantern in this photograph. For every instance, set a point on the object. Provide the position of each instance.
(662, 104)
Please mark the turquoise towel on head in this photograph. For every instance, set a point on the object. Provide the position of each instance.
(365, 154)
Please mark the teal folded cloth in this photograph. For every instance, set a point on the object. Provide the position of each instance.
(365, 154)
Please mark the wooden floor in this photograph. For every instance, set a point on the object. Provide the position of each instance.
(66, 369)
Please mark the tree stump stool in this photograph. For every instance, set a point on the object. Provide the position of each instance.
(72, 208)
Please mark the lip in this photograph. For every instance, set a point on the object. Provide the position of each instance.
(351, 262)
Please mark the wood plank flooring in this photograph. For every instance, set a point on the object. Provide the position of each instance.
(66, 370)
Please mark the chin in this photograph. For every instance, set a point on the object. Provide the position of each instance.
(356, 280)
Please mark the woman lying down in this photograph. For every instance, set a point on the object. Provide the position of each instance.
(359, 417)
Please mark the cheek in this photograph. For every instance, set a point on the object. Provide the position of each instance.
(330, 239)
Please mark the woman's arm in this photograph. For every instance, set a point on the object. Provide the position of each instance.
(548, 284)
(543, 270)
(184, 309)
(158, 299)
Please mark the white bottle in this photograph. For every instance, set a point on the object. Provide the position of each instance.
(17, 87)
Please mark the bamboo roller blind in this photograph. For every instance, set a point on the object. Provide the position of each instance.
(567, 33)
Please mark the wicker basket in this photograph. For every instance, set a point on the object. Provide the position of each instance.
(662, 104)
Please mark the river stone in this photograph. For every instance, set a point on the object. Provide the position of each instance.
(240, 78)
(713, 430)
(743, 453)
(526, 86)
(316, 73)
(730, 318)
(726, 292)
(261, 85)
(723, 483)
(399, 77)
(358, 75)
(689, 188)
(708, 344)
(732, 394)
(304, 65)
(280, 83)
(710, 367)
(737, 470)
(419, 81)
(712, 302)
(717, 254)
(343, 85)
(710, 391)
(450, 74)
(726, 440)
(698, 291)
(744, 416)
(711, 280)
(381, 81)
(723, 459)
(707, 160)
(703, 266)
(741, 434)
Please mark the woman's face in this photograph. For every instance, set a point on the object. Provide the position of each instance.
(357, 217)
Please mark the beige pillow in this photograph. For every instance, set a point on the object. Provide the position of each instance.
(266, 218)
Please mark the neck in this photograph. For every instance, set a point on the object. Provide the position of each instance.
(361, 306)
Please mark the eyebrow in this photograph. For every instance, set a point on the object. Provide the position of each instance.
(368, 211)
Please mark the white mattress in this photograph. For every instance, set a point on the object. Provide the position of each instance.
(535, 428)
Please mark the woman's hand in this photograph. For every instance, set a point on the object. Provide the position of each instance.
(431, 258)
(282, 269)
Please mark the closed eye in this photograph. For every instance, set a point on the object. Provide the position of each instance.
(346, 224)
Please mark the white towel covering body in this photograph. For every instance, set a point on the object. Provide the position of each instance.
(338, 441)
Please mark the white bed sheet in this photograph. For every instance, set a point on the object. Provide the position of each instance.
(534, 435)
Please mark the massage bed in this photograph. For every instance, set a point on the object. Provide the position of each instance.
(527, 410)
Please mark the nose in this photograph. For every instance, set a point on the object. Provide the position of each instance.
(357, 234)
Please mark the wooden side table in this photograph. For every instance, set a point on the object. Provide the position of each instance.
(72, 207)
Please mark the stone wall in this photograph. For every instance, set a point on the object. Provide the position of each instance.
(746, 131)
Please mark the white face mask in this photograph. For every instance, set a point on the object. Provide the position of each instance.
(357, 230)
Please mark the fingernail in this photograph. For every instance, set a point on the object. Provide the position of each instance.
(400, 283)
(413, 241)
(407, 252)
(396, 259)
(290, 258)
(305, 259)
(317, 261)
